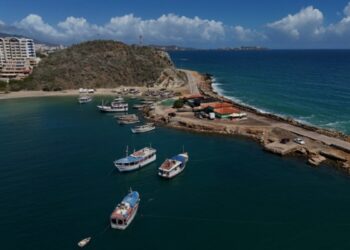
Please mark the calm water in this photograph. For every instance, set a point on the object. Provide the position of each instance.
(312, 86)
(58, 186)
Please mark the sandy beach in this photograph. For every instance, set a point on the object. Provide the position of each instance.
(69, 92)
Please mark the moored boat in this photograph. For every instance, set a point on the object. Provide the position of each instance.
(118, 99)
(84, 242)
(128, 119)
(136, 160)
(84, 99)
(125, 211)
(114, 107)
(173, 166)
(143, 128)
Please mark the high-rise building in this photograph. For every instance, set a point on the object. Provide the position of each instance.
(17, 57)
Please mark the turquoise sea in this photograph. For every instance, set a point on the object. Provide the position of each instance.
(58, 185)
(312, 86)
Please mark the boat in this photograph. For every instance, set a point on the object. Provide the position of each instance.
(118, 99)
(125, 212)
(114, 107)
(84, 242)
(128, 119)
(138, 106)
(84, 99)
(126, 116)
(136, 160)
(143, 128)
(173, 166)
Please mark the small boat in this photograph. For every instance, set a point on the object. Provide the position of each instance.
(126, 116)
(136, 160)
(147, 102)
(118, 99)
(84, 242)
(84, 99)
(143, 128)
(125, 212)
(128, 119)
(173, 166)
(138, 106)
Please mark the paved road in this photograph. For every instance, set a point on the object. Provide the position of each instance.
(313, 135)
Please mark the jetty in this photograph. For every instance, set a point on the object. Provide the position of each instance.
(206, 111)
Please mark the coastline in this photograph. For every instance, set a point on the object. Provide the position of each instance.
(322, 145)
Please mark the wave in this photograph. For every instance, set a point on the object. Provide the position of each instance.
(343, 126)
(218, 89)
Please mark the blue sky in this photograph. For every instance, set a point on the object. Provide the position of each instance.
(203, 24)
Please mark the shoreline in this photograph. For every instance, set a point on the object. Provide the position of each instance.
(71, 92)
(322, 145)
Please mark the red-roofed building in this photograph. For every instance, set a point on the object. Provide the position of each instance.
(226, 112)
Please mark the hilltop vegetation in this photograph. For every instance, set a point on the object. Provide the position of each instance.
(102, 64)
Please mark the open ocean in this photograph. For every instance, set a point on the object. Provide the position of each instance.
(312, 86)
(58, 185)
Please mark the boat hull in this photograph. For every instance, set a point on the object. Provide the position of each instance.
(123, 168)
(137, 131)
(173, 173)
(107, 109)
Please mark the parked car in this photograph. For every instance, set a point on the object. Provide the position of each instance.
(299, 141)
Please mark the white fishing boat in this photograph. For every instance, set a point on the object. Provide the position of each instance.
(136, 160)
(84, 99)
(114, 107)
(84, 242)
(173, 166)
(125, 212)
(143, 128)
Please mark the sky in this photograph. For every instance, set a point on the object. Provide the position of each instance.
(276, 24)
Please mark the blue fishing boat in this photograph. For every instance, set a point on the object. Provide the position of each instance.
(125, 211)
(173, 166)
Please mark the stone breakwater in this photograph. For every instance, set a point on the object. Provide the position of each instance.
(321, 146)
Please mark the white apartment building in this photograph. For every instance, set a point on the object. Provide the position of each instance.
(17, 57)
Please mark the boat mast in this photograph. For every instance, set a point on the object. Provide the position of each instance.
(127, 151)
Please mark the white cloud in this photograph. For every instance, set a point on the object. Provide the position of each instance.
(247, 35)
(34, 24)
(171, 28)
(168, 28)
(305, 28)
(307, 22)
(347, 10)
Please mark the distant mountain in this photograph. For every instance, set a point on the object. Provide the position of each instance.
(21, 36)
